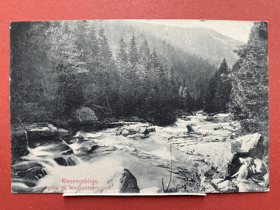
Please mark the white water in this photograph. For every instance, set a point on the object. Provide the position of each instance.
(147, 159)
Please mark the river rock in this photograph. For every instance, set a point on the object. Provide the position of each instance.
(18, 143)
(29, 183)
(248, 186)
(236, 162)
(260, 167)
(266, 179)
(125, 132)
(28, 170)
(143, 130)
(92, 148)
(65, 161)
(131, 130)
(151, 129)
(227, 187)
(18, 187)
(187, 119)
(67, 152)
(211, 119)
(114, 181)
(84, 119)
(258, 170)
(86, 115)
(243, 172)
(251, 144)
(52, 128)
(62, 132)
(207, 186)
(223, 117)
(190, 129)
(39, 133)
(236, 145)
(138, 136)
(217, 181)
(123, 182)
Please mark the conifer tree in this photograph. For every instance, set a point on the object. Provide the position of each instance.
(249, 98)
(218, 93)
(122, 52)
(133, 52)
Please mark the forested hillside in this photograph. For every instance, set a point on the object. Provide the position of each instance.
(120, 69)
(65, 65)
(203, 42)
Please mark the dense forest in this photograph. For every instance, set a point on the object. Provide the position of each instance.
(57, 67)
(65, 65)
(249, 94)
(243, 91)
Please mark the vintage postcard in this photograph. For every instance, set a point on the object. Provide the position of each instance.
(137, 107)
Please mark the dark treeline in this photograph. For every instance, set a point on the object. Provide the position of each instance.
(218, 91)
(243, 90)
(249, 98)
(57, 67)
(66, 65)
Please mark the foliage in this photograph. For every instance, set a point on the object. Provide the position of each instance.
(64, 65)
(249, 98)
(218, 92)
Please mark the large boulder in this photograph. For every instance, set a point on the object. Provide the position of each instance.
(236, 163)
(258, 170)
(123, 182)
(84, 119)
(114, 181)
(27, 170)
(251, 144)
(38, 133)
(86, 115)
(31, 135)
(247, 147)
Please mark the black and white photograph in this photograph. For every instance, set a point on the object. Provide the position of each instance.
(139, 107)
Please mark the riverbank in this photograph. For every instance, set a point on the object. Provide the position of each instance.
(161, 159)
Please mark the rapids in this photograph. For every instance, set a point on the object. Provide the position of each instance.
(148, 159)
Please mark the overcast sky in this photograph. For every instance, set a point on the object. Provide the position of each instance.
(238, 30)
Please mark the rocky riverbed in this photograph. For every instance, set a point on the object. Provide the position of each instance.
(198, 153)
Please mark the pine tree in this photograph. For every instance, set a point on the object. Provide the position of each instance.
(219, 88)
(223, 88)
(94, 47)
(133, 52)
(249, 98)
(122, 52)
(209, 105)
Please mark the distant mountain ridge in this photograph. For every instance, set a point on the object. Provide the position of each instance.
(203, 42)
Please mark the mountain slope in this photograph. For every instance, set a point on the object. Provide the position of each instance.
(204, 42)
